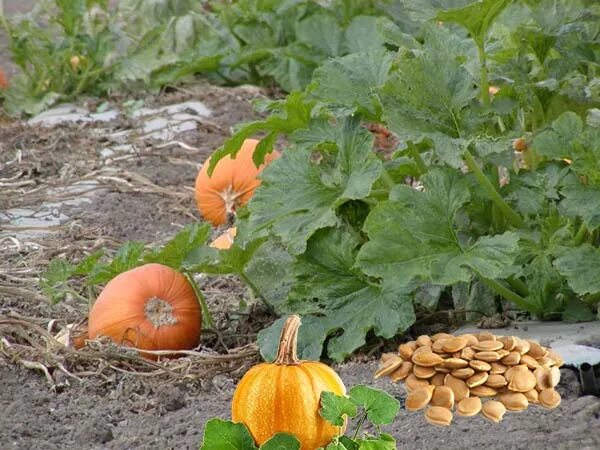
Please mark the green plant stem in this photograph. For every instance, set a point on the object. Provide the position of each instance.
(387, 179)
(359, 425)
(206, 314)
(518, 286)
(491, 191)
(246, 279)
(414, 152)
(484, 82)
(581, 234)
(502, 290)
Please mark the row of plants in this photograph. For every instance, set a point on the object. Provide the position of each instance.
(66, 48)
(489, 201)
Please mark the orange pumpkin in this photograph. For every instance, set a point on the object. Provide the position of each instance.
(3, 79)
(231, 185)
(151, 307)
(284, 396)
(225, 241)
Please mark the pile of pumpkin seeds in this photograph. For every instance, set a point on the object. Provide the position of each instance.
(445, 373)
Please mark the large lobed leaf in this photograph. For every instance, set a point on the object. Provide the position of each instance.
(417, 236)
(301, 190)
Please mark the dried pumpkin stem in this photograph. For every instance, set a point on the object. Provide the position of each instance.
(288, 342)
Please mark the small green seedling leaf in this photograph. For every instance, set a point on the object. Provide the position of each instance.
(335, 407)
(174, 253)
(126, 258)
(281, 441)
(223, 435)
(381, 407)
(383, 442)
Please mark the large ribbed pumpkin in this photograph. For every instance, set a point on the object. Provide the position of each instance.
(151, 307)
(284, 396)
(231, 184)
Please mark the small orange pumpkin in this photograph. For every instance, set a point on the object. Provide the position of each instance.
(3, 79)
(151, 307)
(231, 185)
(225, 241)
(284, 396)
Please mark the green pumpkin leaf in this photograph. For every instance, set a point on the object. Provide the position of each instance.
(335, 408)
(582, 201)
(418, 236)
(381, 407)
(281, 441)
(384, 442)
(174, 252)
(319, 187)
(581, 267)
(223, 435)
(476, 17)
(352, 81)
(127, 257)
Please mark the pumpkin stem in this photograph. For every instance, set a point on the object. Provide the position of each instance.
(288, 342)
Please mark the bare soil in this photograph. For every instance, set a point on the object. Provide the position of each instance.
(148, 196)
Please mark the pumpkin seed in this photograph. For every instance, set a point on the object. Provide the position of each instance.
(556, 357)
(530, 362)
(522, 381)
(522, 346)
(424, 341)
(413, 383)
(467, 354)
(514, 401)
(406, 350)
(536, 350)
(488, 346)
(497, 368)
(402, 372)
(477, 380)
(469, 407)
(542, 377)
(487, 356)
(455, 344)
(483, 391)
(512, 359)
(437, 336)
(471, 339)
(438, 379)
(496, 381)
(485, 336)
(443, 396)
(436, 415)
(464, 373)
(546, 362)
(508, 343)
(549, 398)
(554, 376)
(455, 363)
(438, 346)
(419, 398)
(426, 359)
(424, 372)
(482, 366)
(493, 410)
(532, 396)
(389, 366)
(458, 386)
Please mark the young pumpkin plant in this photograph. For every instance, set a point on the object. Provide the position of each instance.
(283, 396)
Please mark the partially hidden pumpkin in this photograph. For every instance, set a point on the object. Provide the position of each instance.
(225, 240)
(231, 184)
(151, 307)
(284, 396)
(3, 79)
